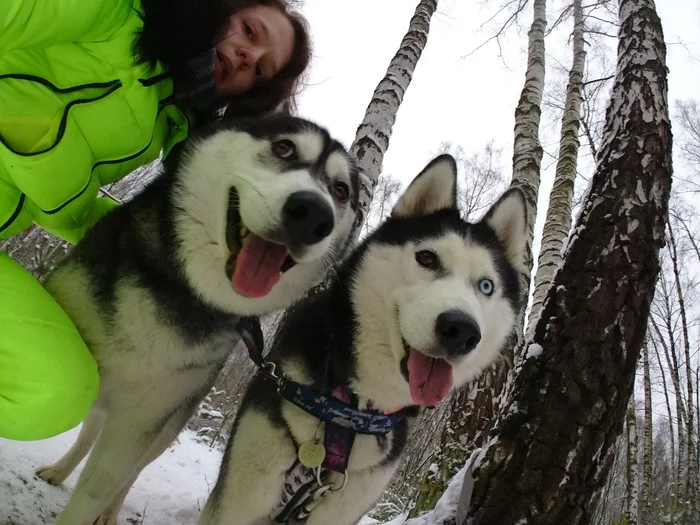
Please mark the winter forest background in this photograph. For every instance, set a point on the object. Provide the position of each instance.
(592, 414)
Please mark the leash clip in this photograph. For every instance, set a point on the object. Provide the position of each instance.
(270, 370)
(319, 494)
(329, 486)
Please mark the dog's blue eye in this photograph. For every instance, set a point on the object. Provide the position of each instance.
(486, 286)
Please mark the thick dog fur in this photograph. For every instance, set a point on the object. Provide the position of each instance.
(149, 292)
(385, 303)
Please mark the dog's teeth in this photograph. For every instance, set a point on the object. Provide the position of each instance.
(244, 232)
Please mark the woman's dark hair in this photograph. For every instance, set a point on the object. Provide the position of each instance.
(174, 31)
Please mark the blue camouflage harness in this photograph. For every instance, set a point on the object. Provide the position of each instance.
(304, 487)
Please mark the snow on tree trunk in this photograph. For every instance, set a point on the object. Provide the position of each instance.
(553, 446)
(468, 409)
(647, 446)
(632, 490)
(373, 134)
(558, 221)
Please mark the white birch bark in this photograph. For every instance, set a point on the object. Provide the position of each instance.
(373, 134)
(558, 221)
(527, 149)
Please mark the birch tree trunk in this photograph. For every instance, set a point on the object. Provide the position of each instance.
(690, 474)
(674, 371)
(632, 490)
(473, 410)
(668, 402)
(647, 447)
(527, 149)
(552, 448)
(373, 134)
(558, 221)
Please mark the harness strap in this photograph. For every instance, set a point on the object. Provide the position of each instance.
(338, 440)
(330, 410)
(302, 489)
(299, 485)
(251, 333)
(320, 405)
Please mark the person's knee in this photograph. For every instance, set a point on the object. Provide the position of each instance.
(40, 408)
(48, 377)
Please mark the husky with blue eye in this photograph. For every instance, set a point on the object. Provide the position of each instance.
(249, 217)
(422, 306)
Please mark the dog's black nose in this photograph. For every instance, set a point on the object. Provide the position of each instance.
(308, 218)
(457, 332)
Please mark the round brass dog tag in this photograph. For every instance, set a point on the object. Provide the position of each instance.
(311, 453)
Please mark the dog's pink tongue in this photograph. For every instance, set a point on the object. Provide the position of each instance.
(429, 379)
(258, 266)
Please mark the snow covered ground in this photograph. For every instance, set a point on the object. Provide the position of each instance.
(170, 491)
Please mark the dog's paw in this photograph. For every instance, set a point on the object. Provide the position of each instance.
(106, 518)
(52, 474)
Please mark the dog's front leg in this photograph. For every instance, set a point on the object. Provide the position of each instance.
(252, 473)
(114, 459)
(59, 471)
(347, 506)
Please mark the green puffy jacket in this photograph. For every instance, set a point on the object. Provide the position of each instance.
(75, 113)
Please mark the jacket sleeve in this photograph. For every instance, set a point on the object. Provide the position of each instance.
(14, 214)
(101, 207)
(48, 377)
(28, 24)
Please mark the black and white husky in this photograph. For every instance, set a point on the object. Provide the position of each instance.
(247, 219)
(422, 306)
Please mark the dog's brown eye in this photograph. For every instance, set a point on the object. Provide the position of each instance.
(428, 259)
(284, 148)
(341, 192)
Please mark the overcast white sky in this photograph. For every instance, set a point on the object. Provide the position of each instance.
(467, 101)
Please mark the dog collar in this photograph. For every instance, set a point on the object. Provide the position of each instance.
(322, 406)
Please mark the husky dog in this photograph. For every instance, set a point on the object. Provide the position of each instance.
(423, 305)
(245, 221)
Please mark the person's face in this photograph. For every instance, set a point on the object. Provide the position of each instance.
(257, 44)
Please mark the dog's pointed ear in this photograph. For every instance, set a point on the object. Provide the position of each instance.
(508, 219)
(434, 189)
